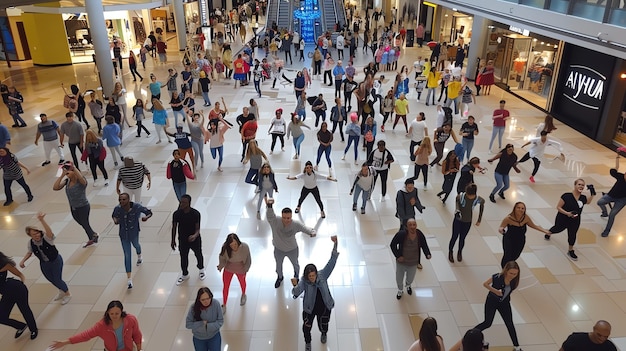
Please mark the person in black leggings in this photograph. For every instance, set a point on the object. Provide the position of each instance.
(310, 186)
(569, 209)
(500, 287)
(14, 292)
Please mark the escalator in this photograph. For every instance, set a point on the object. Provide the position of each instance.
(285, 14)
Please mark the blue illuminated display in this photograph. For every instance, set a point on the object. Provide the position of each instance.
(308, 15)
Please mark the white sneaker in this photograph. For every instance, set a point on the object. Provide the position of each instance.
(60, 295)
(295, 157)
(343, 157)
(243, 300)
(181, 279)
(106, 182)
(130, 284)
(95, 183)
(66, 299)
(223, 309)
(202, 274)
(271, 152)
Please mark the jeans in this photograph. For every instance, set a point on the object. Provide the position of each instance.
(212, 344)
(205, 96)
(316, 194)
(468, 145)
(176, 113)
(412, 149)
(459, 231)
(401, 271)
(384, 173)
(7, 188)
(227, 276)
(198, 150)
(81, 216)
(114, 150)
(618, 204)
(301, 114)
(416, 172)
(297, 141)
(251, 177)
(318, 114)
(431, 92)
(132, 239)
(493, 304)
(496, 131)
(324, 150)
(268, 192)
(180, 189)
(18, 120)
(220, 151)
(257, 86)
(292, 255)
(184, 246)
(282, 140)
(140, 126)
(133, 71)
(536, 162)
(502, 183)
(15, 292)
(364, 198)
(340, 125)
(353, 139)
(53, 271)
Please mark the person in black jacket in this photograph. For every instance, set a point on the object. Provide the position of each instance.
(406, 246)
(407, 201)
(500, 287)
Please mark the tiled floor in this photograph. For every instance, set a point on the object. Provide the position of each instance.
(556, 296)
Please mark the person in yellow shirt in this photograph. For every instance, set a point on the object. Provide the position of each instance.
(432, 82)
(454, 94)
(401, 109)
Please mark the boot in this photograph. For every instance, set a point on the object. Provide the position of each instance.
(459, 256)
(451, 256)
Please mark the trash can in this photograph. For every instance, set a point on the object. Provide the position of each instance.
(410, 37)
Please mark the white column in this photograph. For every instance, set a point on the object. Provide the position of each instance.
(480, 31)
(179, 19)
(97, 29)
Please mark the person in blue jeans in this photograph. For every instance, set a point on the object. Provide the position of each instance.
(127, 215)
(205, 318)
(617, 195)
(363, 182)
(353, 129)
(41, 244)
(178, 171)
(508, 160)
(469, 129)
(295, 130)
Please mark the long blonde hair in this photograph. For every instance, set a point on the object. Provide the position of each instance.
(91, 137)
(426, 145)
(156, 103)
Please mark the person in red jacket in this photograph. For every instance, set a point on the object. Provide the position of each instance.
(114, 318)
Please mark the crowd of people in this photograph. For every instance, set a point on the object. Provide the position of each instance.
(194, 128)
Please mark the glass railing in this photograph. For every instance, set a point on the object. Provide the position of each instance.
(605, 11)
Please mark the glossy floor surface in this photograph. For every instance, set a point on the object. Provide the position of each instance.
(556, 296)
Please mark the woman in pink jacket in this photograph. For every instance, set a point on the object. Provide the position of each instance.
(115, 328)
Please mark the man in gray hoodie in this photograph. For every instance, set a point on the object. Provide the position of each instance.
(284, 230)
(406, 203)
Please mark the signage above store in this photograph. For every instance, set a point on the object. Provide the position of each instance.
(519, 30)
(584, 86)
(204, 12)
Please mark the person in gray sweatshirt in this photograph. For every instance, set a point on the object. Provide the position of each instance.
(284, 230)
(406, 203)
(205, 318)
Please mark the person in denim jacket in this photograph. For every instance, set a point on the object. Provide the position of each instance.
(313, 281)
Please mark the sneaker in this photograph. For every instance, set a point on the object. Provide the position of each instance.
(19, 332)
(459, 256)
(7, 203)
(546, 236)
(115, 163)
(353, 207)
(88, 244)
(532, 179)
(66, 299)
(61, 162)
(315, 168)
(307, 347)
(202, 274)
(45, 163)
(399, 294)
(96, 237)
(95, 183)
(219, 169)
(139, 260)
(572, 255)
(501, 194)
(450, 256)
(282, 149)
(492, 198)
(181, 279)
(324, 338)
(59, 296)
(223, 309)
(258, 215)
(604, 235)
(243, 300)
(409, 290)
(323, 214)
(271, 152)
(356, 163)
(130, 284)
(33, 334)
(295, 157)
(419, 266)
(30, 198)
(362, 210)
(604, 215)
(106, 182)
(343, 157)
(279, 280)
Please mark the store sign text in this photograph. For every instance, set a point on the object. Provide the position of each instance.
(204, 16)
(519, 30)
(584, 86)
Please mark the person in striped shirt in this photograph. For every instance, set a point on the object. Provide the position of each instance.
(132, 175)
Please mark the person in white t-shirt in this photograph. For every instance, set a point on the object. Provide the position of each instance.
(417, 131)
(339, 44)
(537, 150)
(381, 159)
(310, 178)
